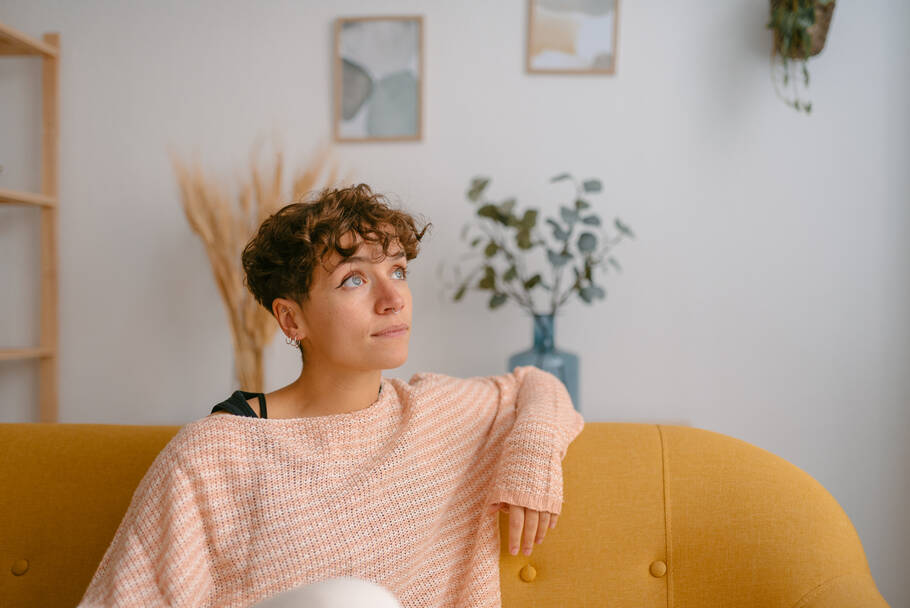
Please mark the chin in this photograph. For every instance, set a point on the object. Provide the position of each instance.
(394, 360)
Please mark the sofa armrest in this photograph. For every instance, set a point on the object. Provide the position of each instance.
(748, 526)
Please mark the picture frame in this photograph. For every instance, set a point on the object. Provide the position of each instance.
(572, 37)
(378, 74)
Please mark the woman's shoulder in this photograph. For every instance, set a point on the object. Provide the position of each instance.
(436, 383)
(428, 377)
(432, 378)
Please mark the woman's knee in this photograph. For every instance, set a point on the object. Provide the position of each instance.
(344, 591)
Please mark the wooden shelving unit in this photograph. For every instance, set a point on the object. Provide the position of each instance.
(13, 42)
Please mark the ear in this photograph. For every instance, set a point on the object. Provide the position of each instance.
(289, 317)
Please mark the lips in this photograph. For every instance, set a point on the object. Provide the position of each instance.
(392, 329)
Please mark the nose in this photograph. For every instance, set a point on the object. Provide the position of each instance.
(389, 297)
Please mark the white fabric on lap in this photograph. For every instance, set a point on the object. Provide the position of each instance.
(341, 592)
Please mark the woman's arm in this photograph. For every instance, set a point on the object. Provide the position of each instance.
(527, 421)
(544, 423)
(159, 554)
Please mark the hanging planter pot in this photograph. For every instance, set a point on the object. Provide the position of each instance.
(800, 29)
(817, 32)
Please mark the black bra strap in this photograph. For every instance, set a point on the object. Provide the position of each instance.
(262, 411)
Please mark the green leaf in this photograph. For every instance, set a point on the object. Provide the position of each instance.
(623, 228)
(489, 278)
(476, 240)
(558, 233)
(523, 239)
(569, 216)
(510, 274)
(592, 185)
(587, 242)
(497, 300)
(491, 249)
(581, 204)
(477, 186)
(591, 220)
(590, 292)
(530, 219)
(530, 283)
(460, 293)
(490, 211)
(558, 259)
(506, 206)
(560, 177)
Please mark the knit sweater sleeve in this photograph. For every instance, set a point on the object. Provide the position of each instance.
(529, 470)
(532, 421)
(159, 555)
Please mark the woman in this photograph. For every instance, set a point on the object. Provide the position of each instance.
(344, 484)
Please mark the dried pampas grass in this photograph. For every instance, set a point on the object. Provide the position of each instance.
(225, 231)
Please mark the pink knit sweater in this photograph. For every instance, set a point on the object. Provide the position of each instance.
(236, 509)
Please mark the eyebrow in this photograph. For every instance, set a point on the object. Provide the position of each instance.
(359, 258)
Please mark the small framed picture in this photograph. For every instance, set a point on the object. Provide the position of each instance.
(378, 69)
(572, 36)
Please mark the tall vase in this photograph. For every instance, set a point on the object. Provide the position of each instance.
(545, 355)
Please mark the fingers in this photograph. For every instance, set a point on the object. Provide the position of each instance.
(530, 530)
(542, 526)
(516, 523)
(526, 526)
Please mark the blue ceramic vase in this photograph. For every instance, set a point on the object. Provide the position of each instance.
(546, 356)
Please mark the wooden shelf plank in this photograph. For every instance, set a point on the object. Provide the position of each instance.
(26, 198)
(18, 354)
(13, 42)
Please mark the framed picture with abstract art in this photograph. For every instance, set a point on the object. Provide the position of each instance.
(572, 36)
(378, 69)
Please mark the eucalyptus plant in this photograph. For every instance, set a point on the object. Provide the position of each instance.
(506, 238)
(791, 20)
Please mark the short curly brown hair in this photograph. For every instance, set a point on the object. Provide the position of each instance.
(280, 259)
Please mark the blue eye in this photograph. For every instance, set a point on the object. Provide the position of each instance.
(404, 272)
(353, 276)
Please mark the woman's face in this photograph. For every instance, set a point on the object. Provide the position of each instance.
(351, 302)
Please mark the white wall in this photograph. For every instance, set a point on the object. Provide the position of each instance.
(766, 296)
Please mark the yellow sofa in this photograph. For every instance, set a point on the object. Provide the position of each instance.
(654, 516)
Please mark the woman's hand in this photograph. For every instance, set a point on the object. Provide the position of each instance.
(533, 523)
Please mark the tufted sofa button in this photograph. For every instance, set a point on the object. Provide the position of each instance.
(658, 569)
(20, 567)
(528, 573)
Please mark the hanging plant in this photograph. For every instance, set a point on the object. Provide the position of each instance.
(800, 28)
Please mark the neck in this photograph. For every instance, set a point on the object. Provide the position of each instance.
(320, 392)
